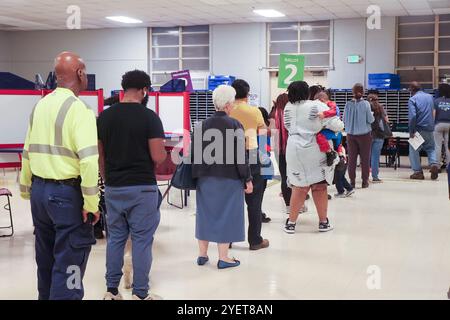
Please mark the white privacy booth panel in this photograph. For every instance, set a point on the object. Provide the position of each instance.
(15, 111)
(91, 102)
(152, 102)
(171, 112)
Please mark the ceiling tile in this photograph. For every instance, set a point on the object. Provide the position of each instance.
(50, 14)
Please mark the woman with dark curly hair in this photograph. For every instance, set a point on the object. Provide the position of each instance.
(306, 166)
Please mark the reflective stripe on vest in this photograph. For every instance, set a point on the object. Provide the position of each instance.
(89, 191)
(62, 151)
(87, 152)
(60, 120)
(53, 150)
(32, 115)
(24, 189)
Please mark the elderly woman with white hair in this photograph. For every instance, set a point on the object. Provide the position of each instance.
(223, 175)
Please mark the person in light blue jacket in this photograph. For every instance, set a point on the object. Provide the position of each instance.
(358, 118)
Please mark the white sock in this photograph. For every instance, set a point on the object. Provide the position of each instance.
(290, 222)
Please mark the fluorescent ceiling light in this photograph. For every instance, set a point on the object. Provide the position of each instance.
(123, 19)
(269, 13)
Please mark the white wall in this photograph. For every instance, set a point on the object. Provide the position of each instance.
(108, 53)
(240, 50)
(5, 52)
(380, 44)
(377, 47)
(349, 39)
(236, 49)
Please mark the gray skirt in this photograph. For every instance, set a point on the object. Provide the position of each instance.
(220, 210)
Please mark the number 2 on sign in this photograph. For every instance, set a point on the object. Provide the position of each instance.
(291, 76)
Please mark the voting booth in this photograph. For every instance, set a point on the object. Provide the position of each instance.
(15, 109)
(173, 110)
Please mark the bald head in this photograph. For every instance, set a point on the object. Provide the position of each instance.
(414, 87)
(71, 72)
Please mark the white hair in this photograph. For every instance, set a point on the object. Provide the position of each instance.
(222, 96)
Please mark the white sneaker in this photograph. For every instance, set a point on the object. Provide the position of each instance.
(340, 195)
(110, 296)
(150, 296)
(349, 193)
(289, 227)
(325, 226)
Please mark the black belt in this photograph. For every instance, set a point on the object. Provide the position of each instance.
(69, 182)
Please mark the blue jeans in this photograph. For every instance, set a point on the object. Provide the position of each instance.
(131, 211)
(62, 241)
(377, 145)
(428, 146)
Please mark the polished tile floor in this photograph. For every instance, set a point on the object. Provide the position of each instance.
(391, 241)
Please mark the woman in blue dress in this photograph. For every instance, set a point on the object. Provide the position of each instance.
(221, 168)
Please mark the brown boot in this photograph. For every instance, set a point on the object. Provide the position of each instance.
(417, 176)
(262, 245)
(434, 172)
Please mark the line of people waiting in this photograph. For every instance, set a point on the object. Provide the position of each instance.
(61, 163)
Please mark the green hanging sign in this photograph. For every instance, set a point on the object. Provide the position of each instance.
(292, 68)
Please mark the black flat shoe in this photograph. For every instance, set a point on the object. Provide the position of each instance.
(202, 260)
(265, 218)
(224, 265)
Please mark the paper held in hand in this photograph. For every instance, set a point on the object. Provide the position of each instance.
(417, 141)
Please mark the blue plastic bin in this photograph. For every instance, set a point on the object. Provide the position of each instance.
(379, 76)
(215, 81)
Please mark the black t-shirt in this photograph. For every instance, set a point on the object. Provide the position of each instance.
(124, 130)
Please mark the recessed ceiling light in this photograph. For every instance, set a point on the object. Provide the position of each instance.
(123, 19)
(269, 13)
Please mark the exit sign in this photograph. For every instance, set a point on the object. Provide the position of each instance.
(354, 59)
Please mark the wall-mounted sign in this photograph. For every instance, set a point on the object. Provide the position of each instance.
(354, 59)
(185, 75)
(292, 68)
(253, 99)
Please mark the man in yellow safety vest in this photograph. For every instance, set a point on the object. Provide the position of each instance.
(60, 176)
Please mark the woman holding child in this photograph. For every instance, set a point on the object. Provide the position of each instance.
(307, 167)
